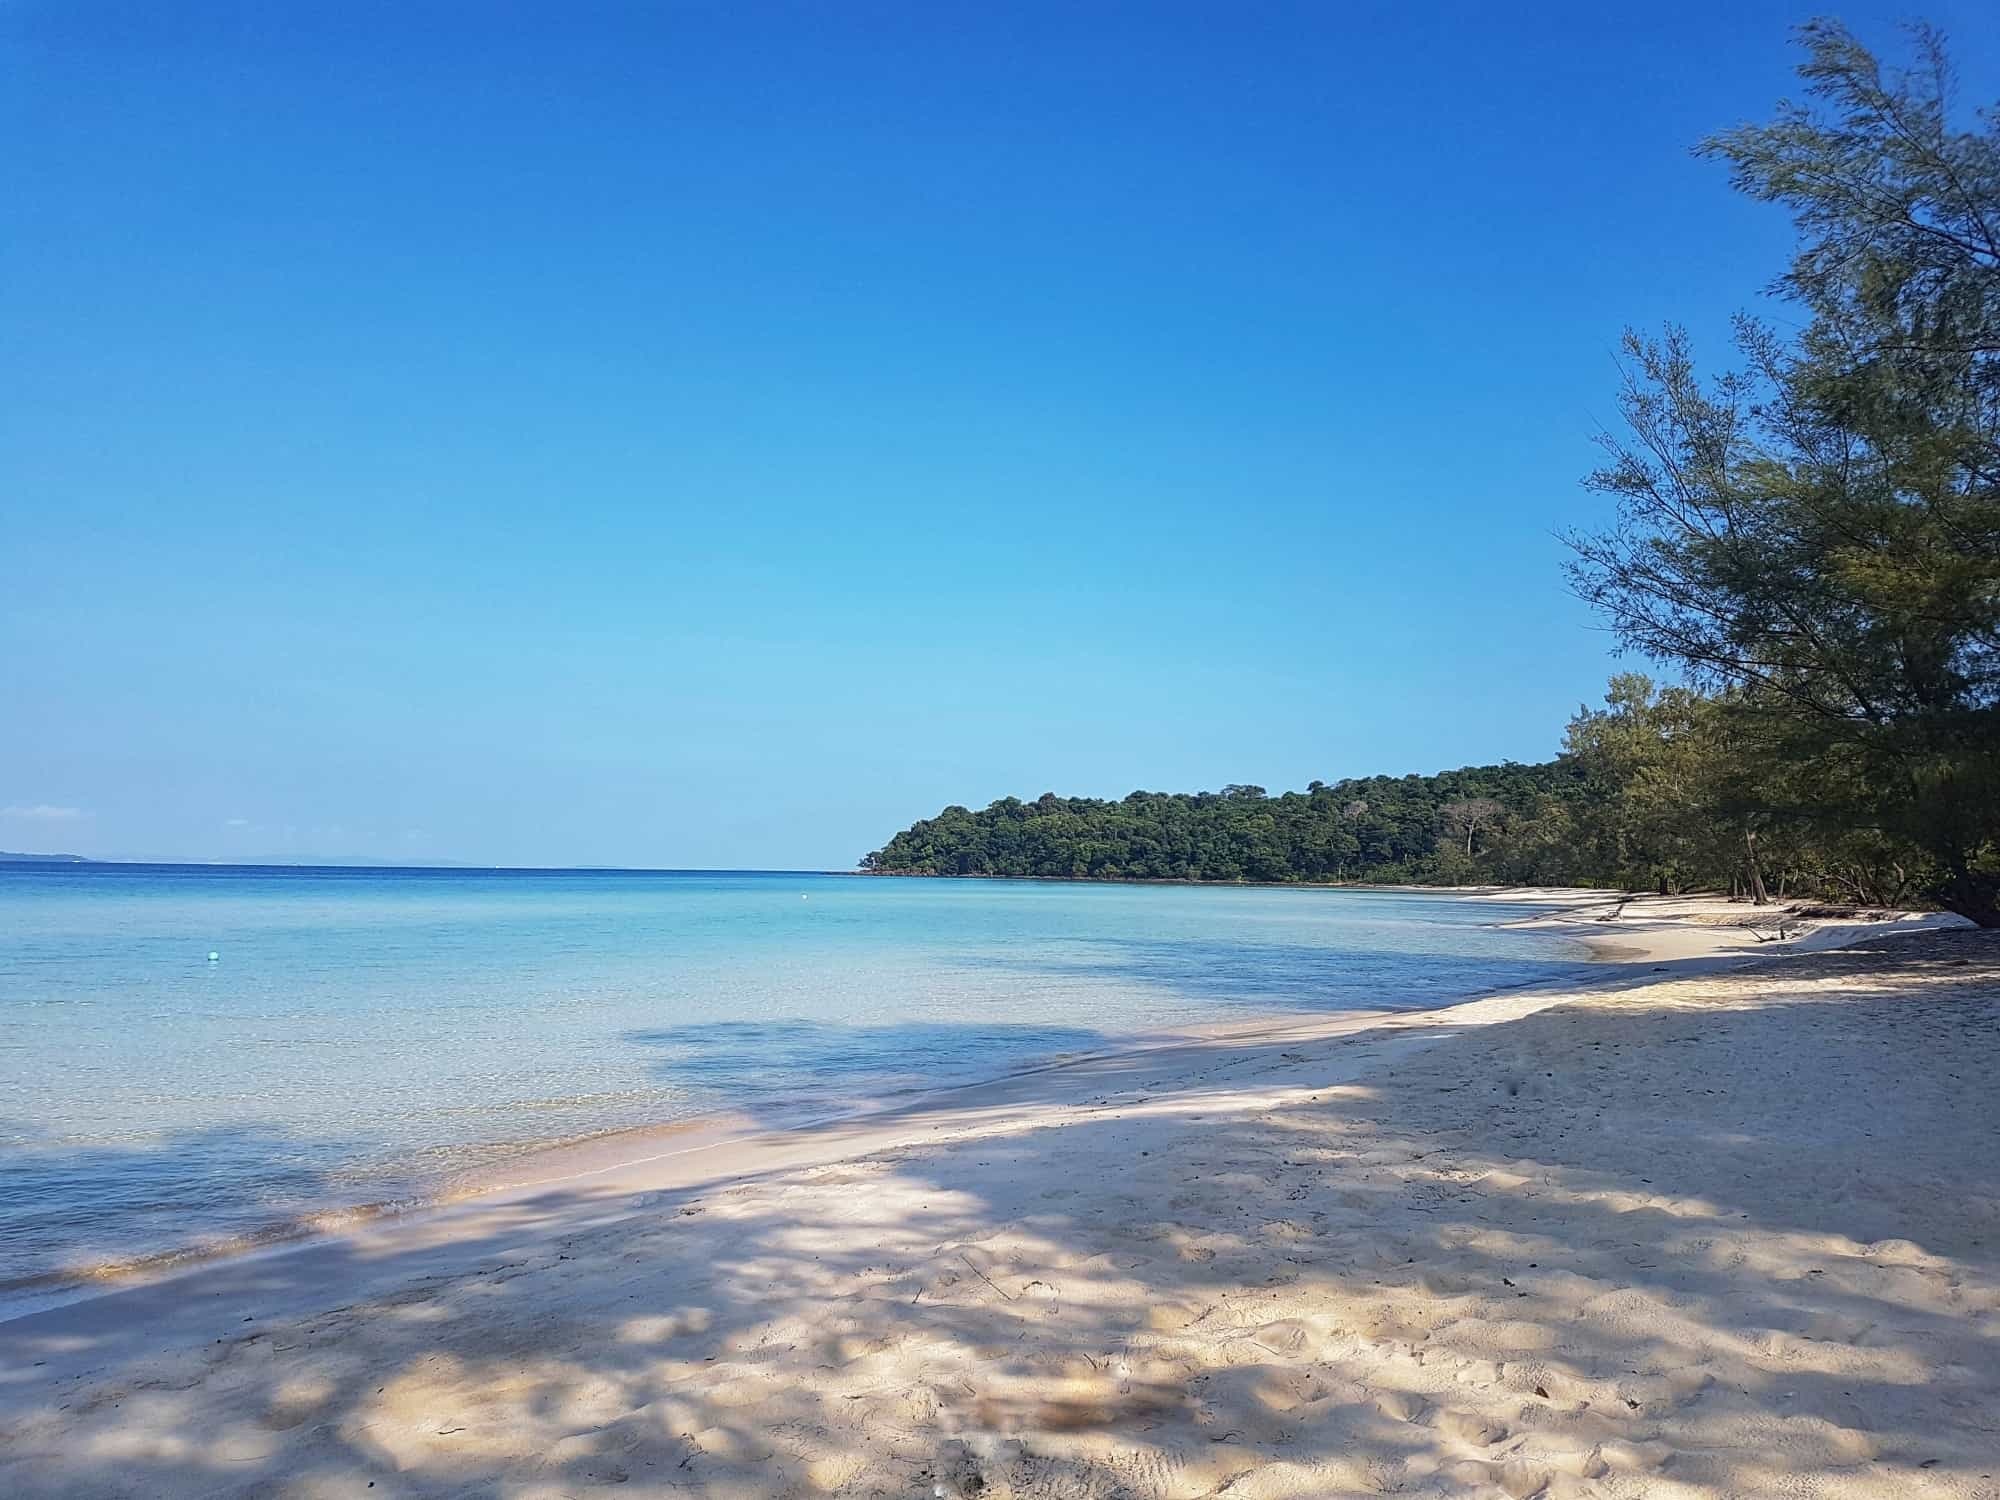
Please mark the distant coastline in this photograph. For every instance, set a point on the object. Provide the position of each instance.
(1303, 883)
(442, 867)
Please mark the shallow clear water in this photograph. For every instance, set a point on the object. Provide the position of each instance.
(364, 1032)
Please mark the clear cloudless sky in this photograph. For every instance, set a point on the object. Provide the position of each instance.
(719, 434)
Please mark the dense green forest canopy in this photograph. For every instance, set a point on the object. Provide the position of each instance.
(1373, 828)
(1646, 795)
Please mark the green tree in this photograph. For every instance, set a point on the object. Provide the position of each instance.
(1817, 536)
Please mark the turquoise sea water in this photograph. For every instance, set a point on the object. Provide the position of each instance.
(363, 1033)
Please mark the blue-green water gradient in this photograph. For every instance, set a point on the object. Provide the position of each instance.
(363, 1033)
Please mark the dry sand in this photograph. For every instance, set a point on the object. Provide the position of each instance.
(1650, 929)
(1731, 1231)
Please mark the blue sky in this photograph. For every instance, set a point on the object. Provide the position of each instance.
(716, 435)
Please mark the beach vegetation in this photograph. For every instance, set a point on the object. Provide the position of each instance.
(1814, 536)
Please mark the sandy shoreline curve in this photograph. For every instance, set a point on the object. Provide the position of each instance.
(1634, 934)
(1616, 928)
(1648, 929)
(1056, 1282)
(518, 1166)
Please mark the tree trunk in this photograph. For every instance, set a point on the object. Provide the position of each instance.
(1973, 895)
(1758, 895)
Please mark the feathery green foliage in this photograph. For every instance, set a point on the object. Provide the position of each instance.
(1816, 537)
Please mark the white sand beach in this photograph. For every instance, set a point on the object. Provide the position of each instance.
(1722, 1224)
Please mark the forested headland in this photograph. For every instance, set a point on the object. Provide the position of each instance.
(1644, 796)
(1808, 542)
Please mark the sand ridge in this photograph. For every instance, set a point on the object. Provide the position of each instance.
(1729, 1233)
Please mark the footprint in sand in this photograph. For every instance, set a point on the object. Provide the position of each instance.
(1399, 1406)
(1470, 1428)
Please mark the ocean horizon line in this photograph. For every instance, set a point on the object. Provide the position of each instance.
(446, 867)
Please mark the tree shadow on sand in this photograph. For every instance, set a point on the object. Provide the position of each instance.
(1523, 1261)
